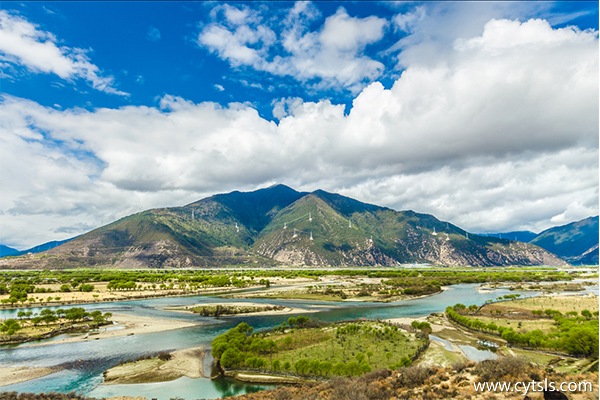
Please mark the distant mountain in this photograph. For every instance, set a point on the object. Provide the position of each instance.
(8, 251)
(45, 246)
(576, 242)
(279, 225)
(521, 236)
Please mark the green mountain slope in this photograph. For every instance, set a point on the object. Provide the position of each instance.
(279, 225)
(327, 229)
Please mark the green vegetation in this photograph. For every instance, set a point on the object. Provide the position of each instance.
(307, 347)
(571, 333)
(219, 309)
(48, 322)
(19, 288)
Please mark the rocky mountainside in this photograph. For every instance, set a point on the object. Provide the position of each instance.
(279, 225)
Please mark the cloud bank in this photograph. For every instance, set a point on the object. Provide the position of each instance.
(499, 134)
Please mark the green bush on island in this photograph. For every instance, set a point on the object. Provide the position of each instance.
(10, 327)
(50, 322)
(220, 309)
(308, 347)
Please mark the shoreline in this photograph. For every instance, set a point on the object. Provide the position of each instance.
(12, 375)
(59, 303)
(284, 311)
(125, 325)
(186, 362)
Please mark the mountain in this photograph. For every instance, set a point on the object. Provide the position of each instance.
(8, 251)
(279, 225)
(521, 236)
(45, 246)
(576, 242)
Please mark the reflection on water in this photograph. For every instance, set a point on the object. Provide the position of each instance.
(447, 344)
(477, 355)
(183, 387)
(85, 361)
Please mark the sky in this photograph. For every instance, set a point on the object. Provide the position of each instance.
(484, 114)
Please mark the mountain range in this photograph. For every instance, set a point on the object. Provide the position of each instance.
(281, 226)
(6, 251)
(576, 242)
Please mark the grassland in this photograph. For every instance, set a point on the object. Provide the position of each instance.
(48, 323)
(532, 328)
(303, 347)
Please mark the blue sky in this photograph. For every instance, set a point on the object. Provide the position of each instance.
(481, 113)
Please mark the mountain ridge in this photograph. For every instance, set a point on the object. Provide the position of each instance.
(279, 225)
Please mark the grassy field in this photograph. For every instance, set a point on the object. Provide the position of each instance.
(521, 325)
(563, 304)
(567, 325)
(312, 348)
(382, 345)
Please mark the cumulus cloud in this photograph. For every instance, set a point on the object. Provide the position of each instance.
(331, 56)
(502, 136)
(23, 43)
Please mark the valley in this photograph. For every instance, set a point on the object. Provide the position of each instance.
(245, 291)
(181, 329)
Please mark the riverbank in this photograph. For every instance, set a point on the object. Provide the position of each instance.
(126, 325)
(238, 308)
(11, 375)
(339, 289)
(186, 362)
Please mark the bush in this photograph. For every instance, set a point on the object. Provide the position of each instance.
(412, 376)
(496, 370)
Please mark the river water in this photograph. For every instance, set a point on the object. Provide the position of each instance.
(84, 362)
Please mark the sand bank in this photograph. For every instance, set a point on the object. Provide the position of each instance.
(285, 310)
(187, 362)
(126, 325)
(10, 375)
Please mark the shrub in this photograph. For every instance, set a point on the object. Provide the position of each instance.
(496, 370)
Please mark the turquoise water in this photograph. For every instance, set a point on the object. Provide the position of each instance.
(84, 362)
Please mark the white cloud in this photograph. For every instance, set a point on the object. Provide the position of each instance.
(502, 136)
(153, 34)
(333, 55)
(22, 43)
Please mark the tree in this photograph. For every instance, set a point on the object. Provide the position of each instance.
(75, 314)
(10, 326)
(586, 314)
(581, 341)
(231, 358)
(86, 287)
(65, 288)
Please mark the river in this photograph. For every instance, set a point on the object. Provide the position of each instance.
(84, 362)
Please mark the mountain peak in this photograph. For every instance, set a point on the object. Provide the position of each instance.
(278, 224)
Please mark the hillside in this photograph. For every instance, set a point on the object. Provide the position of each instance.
(8, 251)
(576, 242)
(279, 225)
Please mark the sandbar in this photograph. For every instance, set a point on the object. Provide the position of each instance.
(126, 325)
(186, 362)
(285, 310)
(11, 375)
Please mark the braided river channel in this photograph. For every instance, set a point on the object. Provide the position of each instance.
(84, 362)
